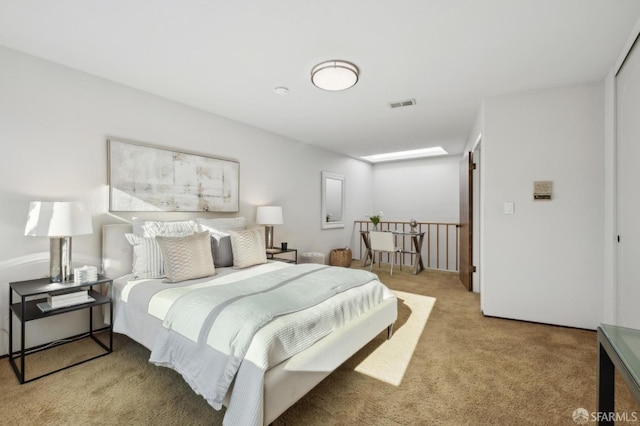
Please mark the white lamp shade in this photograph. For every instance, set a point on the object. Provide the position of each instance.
(269, 215)
(58, 219)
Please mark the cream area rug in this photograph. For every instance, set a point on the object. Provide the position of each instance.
(389, 361)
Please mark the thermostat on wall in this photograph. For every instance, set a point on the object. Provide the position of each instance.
(542, 189)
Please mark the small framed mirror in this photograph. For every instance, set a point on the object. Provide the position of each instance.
(332, 200)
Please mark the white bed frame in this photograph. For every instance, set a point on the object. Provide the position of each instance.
(290, 380)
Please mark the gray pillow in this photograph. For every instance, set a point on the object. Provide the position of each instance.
(221, 248)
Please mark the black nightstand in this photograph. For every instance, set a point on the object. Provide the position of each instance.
(271, 255)
(31, 293)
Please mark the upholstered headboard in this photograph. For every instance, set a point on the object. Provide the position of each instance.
(117, 253)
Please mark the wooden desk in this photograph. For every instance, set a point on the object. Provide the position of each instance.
(367, 247)
(417, 238)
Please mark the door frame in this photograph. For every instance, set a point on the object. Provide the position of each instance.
(476, 215)
(465, 246)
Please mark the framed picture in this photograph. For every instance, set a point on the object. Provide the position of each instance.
(145, 178)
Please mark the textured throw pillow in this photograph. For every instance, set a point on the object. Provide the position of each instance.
(248, 247)
(174, 228)
(188, 257)
(147, 257)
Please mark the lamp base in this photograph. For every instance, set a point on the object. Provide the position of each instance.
(60, 260)
(268, 236)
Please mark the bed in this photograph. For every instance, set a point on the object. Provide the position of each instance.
(288, 354)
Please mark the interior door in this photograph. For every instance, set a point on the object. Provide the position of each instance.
(628, 201)
(466, 221)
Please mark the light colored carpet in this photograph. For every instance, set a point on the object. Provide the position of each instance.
(389, 361)
(466, 369)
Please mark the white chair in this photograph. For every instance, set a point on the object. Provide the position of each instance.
(383, 242)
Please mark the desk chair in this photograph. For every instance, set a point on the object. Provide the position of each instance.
(383, 242)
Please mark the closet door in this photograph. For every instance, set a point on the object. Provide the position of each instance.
(628, 189)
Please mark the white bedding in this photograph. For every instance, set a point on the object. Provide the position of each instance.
(142, 306)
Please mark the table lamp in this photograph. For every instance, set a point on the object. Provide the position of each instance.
(58, 220)
(269, 216)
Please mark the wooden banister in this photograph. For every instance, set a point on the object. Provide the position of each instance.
(439, 250)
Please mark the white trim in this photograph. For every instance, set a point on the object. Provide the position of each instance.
(610, 288)
(609, 285)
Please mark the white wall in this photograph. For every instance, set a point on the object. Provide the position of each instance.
(545, 262)
(426, 190)
(423, 189)
(54, 123)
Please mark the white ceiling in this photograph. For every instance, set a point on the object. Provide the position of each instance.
(226, 57)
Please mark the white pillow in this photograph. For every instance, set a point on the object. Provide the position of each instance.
(136, 223)
(188, 257)
(223, 223)
(147, 257)
(174, 228)
(248, 247)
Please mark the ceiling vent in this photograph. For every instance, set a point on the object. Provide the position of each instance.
(400, 104)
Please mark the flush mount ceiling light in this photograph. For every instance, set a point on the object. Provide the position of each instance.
(405, 155)
(334, 75)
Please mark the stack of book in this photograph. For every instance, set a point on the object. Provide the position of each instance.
(86, 274)
(62, 298)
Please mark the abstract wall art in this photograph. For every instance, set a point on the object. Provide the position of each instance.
(147, 178)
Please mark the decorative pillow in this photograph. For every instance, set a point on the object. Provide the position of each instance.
(220, 247)
(188, 257)
(136, 223)
(248, 247)
(147, 257)
(174, 228)
(223, 223)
